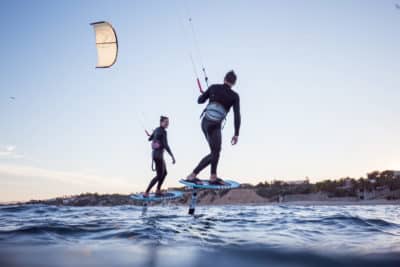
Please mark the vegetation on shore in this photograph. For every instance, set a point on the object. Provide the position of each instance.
(377, 185)
(363, 187)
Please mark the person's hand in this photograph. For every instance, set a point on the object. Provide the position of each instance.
(173, 161)
(234, 140)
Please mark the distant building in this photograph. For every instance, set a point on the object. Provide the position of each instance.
(373, 175)
(297, 182)
(348, 184)
(381, 188)
(246, 185)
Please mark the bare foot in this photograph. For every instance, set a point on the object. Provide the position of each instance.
(146, 194)
(213, 177)
(191, 176)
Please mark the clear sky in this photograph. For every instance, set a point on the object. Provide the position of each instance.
(319, 84)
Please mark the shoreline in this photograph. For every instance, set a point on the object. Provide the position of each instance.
(378, 188)
(292, 203)
(237, 197)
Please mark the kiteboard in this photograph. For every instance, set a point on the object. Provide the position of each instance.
(154, 198)
(228, 184)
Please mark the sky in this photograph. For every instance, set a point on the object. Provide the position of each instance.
(318, 81)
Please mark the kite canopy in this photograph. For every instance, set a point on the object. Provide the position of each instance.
(106, 44)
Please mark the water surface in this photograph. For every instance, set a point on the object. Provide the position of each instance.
(227, 235)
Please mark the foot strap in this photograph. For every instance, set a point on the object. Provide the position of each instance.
(217, 181)
(195, 181)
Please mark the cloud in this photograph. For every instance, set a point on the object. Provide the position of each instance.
(10, 155)
(61, 176)
(10, 148)
(23, 182)
(9, 152)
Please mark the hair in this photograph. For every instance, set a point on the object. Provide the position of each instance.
(231, 77)
(163, 118)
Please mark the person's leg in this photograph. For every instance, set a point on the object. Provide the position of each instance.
(202, 164)
(162, 177)
(205, 126)
(151, 184)
(215, 145)
(159, 171)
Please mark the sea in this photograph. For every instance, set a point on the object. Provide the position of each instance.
(166, 235)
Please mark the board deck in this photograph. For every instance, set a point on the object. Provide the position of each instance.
(228, 185)
(152, 197)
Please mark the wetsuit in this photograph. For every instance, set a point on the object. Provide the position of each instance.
(159, 137)
(224, 95)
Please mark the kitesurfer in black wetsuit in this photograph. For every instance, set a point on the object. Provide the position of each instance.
(159, 144)
(220, 98)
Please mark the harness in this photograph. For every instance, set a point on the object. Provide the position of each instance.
(214, 112)
(154, 145)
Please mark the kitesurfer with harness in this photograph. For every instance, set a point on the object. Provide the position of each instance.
(220, 98)
(159, 143)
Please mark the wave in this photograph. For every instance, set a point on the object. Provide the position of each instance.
(317, 228)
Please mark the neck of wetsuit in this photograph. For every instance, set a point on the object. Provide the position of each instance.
(227, 86)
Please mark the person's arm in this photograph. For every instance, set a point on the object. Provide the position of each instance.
(151, 137)
(237, 117)
(203, 97)
(237, 120)
(166, 146)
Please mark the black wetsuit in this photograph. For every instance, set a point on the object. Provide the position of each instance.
(224, 95)
(159, 136)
